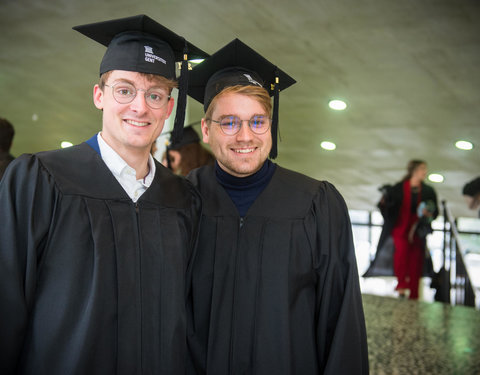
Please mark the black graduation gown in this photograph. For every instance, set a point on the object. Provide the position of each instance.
(382, 263)
(5, 159)
(276, 292)
(90, 282)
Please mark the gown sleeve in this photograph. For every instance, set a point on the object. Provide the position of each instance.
(340, 322)
(27, 200)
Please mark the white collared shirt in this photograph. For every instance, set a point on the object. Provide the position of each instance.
(125, 174)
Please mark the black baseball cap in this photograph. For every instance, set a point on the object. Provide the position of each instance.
(140, 44)
(238, 64)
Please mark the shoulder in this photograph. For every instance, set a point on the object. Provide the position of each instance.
(293, 182)
(304, 193)
(428, 191)
(80, 170)
(165, 176)
(296, 179)
(56, 159)
(77, 170)
(203, 178)
(396, 191)
(427, 187)
(67, 160)
(27, 164)
(170, 189)
(398, 186)
(26, 177)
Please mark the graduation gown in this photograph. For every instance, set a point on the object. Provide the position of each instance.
(90, 282)
(277, 291)
(5, 159)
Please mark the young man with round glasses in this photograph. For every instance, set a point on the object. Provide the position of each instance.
(97, 239)
(275, 285)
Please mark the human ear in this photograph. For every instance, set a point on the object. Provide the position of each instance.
(170, 104)
(98, 97)
(205, 130)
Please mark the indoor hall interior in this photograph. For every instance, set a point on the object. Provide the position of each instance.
(406, 72)
(424, 336)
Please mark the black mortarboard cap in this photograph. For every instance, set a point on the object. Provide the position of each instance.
(238, 64)
(140, 44)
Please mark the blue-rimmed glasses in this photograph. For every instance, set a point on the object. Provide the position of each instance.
(124, 93)
(230, 125)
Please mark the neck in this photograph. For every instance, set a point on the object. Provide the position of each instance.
(137, 158)
(140, 164)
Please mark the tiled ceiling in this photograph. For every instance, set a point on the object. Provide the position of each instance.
(409, 71)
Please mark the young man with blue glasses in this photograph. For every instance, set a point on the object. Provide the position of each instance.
(275, 285)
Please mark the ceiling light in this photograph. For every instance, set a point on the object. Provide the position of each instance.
(337, 105)
(464, 145)
(326, 145)
(435, 177)
(66, 144)
(196, 61)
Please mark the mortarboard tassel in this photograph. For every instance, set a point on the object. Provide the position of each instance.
(167, 156)
(276, 103)
(177, 132)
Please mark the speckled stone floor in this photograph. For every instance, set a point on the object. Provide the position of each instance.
(411, 337)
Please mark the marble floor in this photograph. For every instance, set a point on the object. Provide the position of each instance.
(416, 337)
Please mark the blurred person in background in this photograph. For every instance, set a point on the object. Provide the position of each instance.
(188, 154)
(6, 139)
(471, 192)
(408, 208)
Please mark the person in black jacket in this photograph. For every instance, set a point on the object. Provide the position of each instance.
(471, 192)
(408, 209)
(6, 137)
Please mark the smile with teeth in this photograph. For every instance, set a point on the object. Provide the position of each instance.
(244, 150)
(136, 123)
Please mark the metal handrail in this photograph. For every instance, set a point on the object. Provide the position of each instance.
(461, 288)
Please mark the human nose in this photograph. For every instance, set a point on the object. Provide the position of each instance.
(245, 133)
(139, 103)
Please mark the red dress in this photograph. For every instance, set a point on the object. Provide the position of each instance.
(408, 256)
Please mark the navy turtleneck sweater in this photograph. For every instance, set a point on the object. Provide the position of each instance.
(244, 190)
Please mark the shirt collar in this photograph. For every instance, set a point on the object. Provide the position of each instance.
(117, 165)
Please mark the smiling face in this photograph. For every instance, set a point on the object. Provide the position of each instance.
(134, 126)
(244, 153)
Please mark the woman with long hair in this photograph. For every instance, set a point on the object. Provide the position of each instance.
(408, 208)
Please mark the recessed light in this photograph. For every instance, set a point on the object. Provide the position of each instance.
(464, 145)
(66, 144)
(337, 104)
(435, 177)
(196, 61)
(326, 145)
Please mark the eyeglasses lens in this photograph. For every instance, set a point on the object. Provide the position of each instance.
(124, 93)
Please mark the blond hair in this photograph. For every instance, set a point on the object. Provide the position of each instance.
(257, 93)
